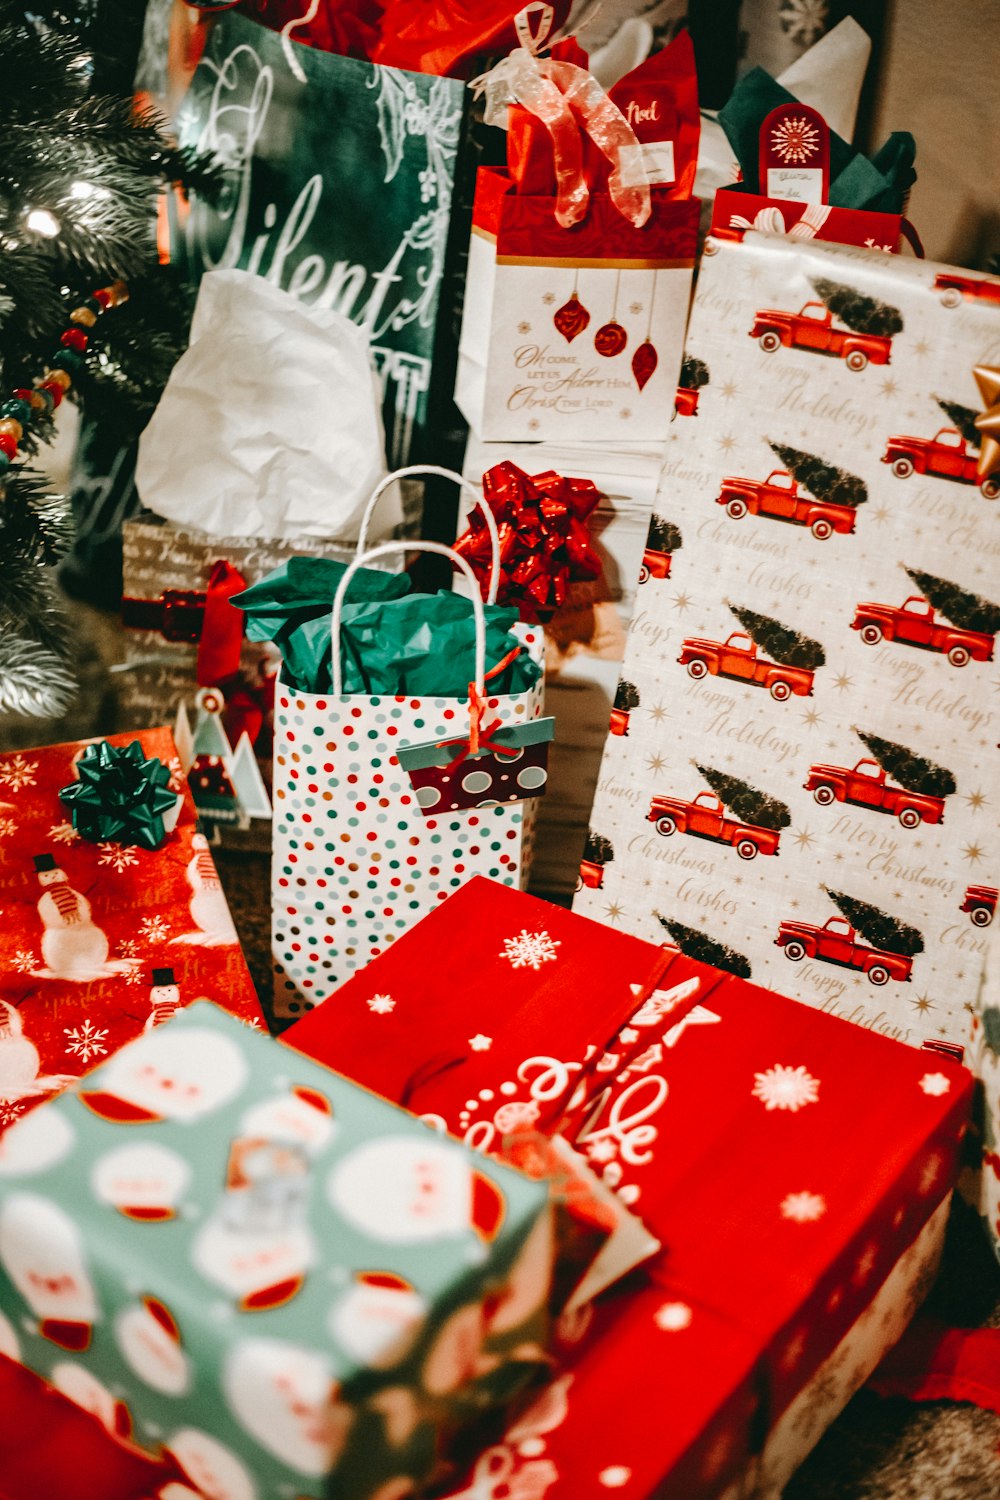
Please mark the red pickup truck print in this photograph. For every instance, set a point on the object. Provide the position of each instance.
(737, 658)
(946, 455)
(778, 497)
(980, 902)
(837, 943)
(814, 328)
(866, 786)
(914, 623)
(708, 818)
(954, 287)
(591, 874)
(686, 402)
(654, 565)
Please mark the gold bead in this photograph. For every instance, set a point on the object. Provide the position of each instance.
(38, 401)
(59, 377)
(84, 316)
(12, 427)
(119, 293)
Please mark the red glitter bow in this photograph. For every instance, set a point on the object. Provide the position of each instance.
(544, 538)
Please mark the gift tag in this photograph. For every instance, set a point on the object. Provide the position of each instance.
(510, 766)
(795, 154)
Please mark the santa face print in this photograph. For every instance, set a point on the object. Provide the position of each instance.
(303, 1115)
(150, 1342)
(403, 1190)
(41, 1252)
(285, 1397)
(169, 1074)
(260, 1270)
(377, 1321)
(215, 1473)
(86, 1391)
(144, 1181)
(34, 1144)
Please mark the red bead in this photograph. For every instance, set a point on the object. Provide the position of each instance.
(8, 445)
(55, 391)
(103, 296)
(74, 338)
(24, 395)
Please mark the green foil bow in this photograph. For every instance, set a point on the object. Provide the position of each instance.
(120, 797)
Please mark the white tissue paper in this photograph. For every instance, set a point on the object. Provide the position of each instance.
(270, 424)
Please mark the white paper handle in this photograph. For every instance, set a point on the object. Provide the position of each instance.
(385, 550)
(411, 472)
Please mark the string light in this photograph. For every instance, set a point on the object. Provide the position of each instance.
(40, 221)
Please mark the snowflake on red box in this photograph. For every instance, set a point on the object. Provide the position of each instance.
(116, 855)
(18, 773)
(381, 1005)
(785, 1088)
(529, 950)
(803, 1208)
(154, 929)
(7, 827)
(63, 833)
(795, 139)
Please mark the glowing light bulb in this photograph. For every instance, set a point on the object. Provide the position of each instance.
(40, 221)
(81, 189)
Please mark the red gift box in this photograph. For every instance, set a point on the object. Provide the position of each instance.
(101, 940)
(734, 212)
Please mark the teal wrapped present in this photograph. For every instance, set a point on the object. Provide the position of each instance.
(271, 1275)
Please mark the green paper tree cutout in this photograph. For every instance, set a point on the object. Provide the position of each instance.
(792, 648)
(696, 944)
(626, 696)
(663, 535)
(913, 772)
(963, 418)
(863, 314)
(746, 802)
(879, 928)
(966, 610)
(821, 479)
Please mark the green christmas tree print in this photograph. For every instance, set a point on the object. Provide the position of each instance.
(598, 850)
(877, 927)
(863, 314)
(626, 696)
(746, 802)
(963, 419)
(966, 610)
(825, 481)
(663, 535)
(913, 772)
(694, 373)
(793, 648)
(696, 944)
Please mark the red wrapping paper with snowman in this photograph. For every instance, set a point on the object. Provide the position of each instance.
(100, 940)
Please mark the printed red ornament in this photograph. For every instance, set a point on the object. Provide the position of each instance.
(644, 362)
(571, 319)
(610, 340)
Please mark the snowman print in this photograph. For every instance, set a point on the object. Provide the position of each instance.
(169, 1073)
(405, 1190)
(20, 1062)
(41, 1252)
(208, 906)
(73, 947)
(307, 1424)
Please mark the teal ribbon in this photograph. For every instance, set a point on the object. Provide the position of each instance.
(120, 796)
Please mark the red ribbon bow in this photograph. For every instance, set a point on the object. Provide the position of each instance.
(544, 538)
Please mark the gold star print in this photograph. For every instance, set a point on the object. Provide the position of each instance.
(921, 347)
(681, 602)
(614, 911)
(803, 838)
(727, 443)
(549, 298)
(889, 387)
(976, 800)
(973, 853)
(842, 682)
(922, 1003)
(729, 390)
(656, 763)
(880, 514)
(635, 307)
(811, 717)
(658, 713)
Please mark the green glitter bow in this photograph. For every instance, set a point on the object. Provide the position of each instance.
(120, 796)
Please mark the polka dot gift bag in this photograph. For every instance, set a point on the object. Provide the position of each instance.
(357, 859)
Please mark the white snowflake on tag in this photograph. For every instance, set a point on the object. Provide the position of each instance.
(615, 1476)
(86, 1041)
(529, 950)
(381, 1004)
(154, 929)
(7, 827)
(795, 139)
(935, 1083)
(480, 1043)
(18, 773)
(63, 833)
(804, 1208)
(117, 855)
(10, 1110)
(672, 1317)
(785, 1088)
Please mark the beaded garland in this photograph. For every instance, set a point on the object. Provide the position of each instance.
(17, 411)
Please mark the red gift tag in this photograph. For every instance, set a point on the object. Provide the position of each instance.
(795, 154)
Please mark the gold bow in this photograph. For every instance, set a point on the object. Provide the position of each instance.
(988, 381)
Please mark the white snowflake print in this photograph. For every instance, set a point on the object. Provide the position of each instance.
(381, 1004)
(86, 1041)
(529, 950)
(117, 855)
(874, 245)
(516, 1116)
(615, 1477)
(480, 1043)
(63, 833)
(935, 1083)
(129, 948)
(602, 1150)
(7, 827)
(23, 961)
(672, 1317)
(804, 1208)
(804, 20)
(18, 773)
(10, 1110)
(134, 976)
(785, 1088)
(154, 929)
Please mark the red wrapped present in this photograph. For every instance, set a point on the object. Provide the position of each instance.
(103, 939)
(493, 1012)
